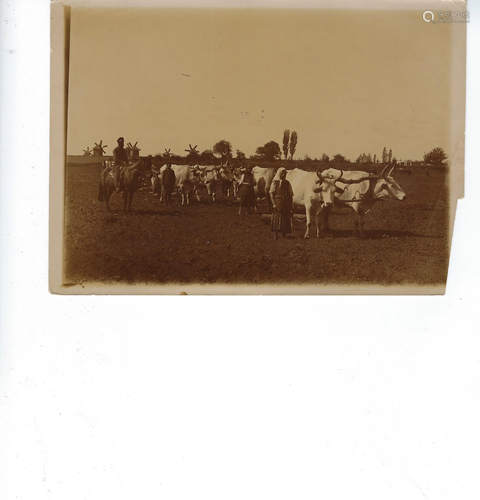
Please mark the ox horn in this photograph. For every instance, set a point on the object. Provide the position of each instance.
(338, 177)
(356, 181)
(335, 179)
(319, 175)
(385, 170)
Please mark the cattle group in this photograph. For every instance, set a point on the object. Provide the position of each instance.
(317, 192)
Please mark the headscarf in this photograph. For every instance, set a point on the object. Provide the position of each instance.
(279, 171)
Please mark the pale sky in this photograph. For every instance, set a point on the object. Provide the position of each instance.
(346, 81)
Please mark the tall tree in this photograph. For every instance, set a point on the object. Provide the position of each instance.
(223, 149)
(389, 156)
(339, 159)
(325, 158)
(375, 158)
(293, 143)
(240, 155)
(259, 154)
(272, 151)
(384, 155)
(269, 152)
(436, 157)
(286, 140)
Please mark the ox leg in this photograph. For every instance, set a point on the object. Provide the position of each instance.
(358, 223)
(108, 193)
(324, 216)
(361, 222)
(318, 217)
(309, 221)
(100, 192)
(355, 223)
(322, 220)
(185, 197)
(130, 199)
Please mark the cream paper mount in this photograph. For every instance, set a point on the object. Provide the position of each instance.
(325, 90)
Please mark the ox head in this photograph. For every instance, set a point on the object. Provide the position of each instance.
(197, 172)
(327, 188)
(387, 188)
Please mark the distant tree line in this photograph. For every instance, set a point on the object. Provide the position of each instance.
(271, 152)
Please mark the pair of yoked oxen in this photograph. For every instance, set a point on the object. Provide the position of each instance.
(319, 191)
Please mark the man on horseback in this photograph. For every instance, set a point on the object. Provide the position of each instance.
(120, 160)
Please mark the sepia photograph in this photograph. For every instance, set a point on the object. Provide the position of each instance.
(171, 326)
(272, 150)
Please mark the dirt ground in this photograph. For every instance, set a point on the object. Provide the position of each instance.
(405, 243)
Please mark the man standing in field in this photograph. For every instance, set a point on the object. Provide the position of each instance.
(168, 183)
(120, 160)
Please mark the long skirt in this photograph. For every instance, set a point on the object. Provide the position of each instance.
(282, 215)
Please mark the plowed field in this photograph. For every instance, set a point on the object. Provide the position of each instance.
(405, 243)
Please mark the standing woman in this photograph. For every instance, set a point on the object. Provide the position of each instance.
(246, 191)
(281, 194)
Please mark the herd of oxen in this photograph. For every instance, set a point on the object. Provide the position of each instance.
(316, 191)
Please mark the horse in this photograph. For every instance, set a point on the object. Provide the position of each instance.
(126, 177)
(107, 186)
(129, 184)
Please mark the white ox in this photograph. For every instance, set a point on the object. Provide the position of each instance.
(185, 181)
(314, 193)
(361, 191)
(263, 177)
(209, 177)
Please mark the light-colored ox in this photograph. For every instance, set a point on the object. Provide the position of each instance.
(209, 177)
(263, 177)
(360, 191)
(314, 193)
(185, 181)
